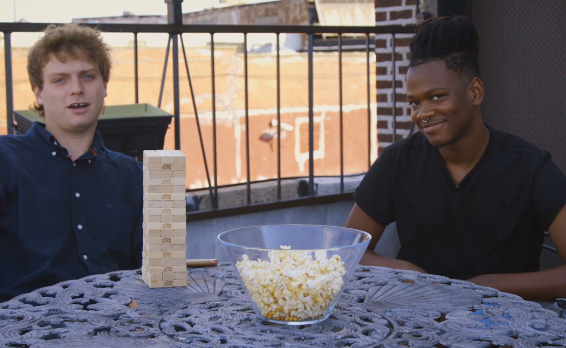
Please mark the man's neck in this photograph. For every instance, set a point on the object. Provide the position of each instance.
(463, 155)
(76, 144)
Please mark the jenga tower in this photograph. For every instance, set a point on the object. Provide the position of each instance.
(164, 219)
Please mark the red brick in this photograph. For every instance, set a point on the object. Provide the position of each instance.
(403, 69)
(385, 138)
(388, 84)
(380, 16)
(388, 3)
(401, 98)
(404, 125)
(381, 70)
(382, 124)
(403, 42)
(386, 57)
(410, 2)
(405, 14)
(382, 98)
(389, 111)
(384, 84)
(381, 43)
(408, 55)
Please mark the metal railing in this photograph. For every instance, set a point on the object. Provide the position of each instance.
(175, 32)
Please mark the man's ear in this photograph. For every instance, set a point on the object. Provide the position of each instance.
(476, 91)
(105, 89)
(38, 97)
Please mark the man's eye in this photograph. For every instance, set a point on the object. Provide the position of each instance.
(88, 77)
(60, 80)
(413, 103)
(436, 97)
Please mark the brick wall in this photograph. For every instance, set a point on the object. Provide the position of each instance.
(392, 12)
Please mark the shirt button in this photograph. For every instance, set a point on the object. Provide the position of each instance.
(80, 227)
(85, 257)
(77, 195)
(53, 153)
(55, 143)
(88, 161)
(74, 164)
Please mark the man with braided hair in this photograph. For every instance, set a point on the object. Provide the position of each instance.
(69, 207)
(470, 202)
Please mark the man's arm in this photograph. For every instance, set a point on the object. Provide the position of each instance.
(359, 220)
(544, 285)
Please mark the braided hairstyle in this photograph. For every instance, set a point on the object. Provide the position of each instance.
(452, 39)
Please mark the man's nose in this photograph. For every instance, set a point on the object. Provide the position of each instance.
(425, 111)
(77, 86)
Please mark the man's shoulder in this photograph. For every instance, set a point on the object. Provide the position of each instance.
(11, 145)
(515, 144)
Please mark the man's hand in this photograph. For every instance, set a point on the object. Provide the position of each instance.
(547, 285)
(370, 258)
(359, 220)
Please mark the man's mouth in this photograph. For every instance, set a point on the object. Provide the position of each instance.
(78, 105)
(433, 126)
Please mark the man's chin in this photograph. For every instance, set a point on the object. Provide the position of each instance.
(437, 141)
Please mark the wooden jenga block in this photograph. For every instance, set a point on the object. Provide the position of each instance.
(156, 262)
(165, 196)
(151, 156)
(178, 157)
(167, 181)
(154, 248)
(181, 275)
(168, 233)
(164, 219)
(166, 156)
(166, 189)
(180, 218)
(180, 204)
(180, 247)
(178, 189)
(180, 233)
(169, 276)
(180, 282)
(154, 204)
(162, 226)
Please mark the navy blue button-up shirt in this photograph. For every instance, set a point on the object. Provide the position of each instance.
(62, 220)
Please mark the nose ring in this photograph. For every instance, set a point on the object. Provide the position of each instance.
(425, 120)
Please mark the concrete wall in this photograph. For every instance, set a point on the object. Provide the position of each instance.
(202, 242)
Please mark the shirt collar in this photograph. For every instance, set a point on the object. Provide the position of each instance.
(39, 135)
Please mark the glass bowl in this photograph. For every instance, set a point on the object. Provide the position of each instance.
(294, 274)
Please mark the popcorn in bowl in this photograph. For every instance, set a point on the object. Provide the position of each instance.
(292, 286)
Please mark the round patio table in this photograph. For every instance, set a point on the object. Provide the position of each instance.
(381, 307)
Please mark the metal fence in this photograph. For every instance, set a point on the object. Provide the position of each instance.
(175, 32)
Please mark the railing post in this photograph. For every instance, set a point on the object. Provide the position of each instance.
(311, 116)
(9, 88)
(394, 85)
(136, 77)
(175, 17)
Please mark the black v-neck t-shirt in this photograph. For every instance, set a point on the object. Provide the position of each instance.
(493, 221)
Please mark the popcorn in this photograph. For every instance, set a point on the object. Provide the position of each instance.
(291, 286)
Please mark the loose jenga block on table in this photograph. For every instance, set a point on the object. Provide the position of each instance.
(164, 225)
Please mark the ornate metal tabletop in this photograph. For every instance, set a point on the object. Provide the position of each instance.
(380, 308)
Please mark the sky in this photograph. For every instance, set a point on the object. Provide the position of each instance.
(62, 11)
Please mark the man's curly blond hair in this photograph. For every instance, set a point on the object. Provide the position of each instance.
(64, 42)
